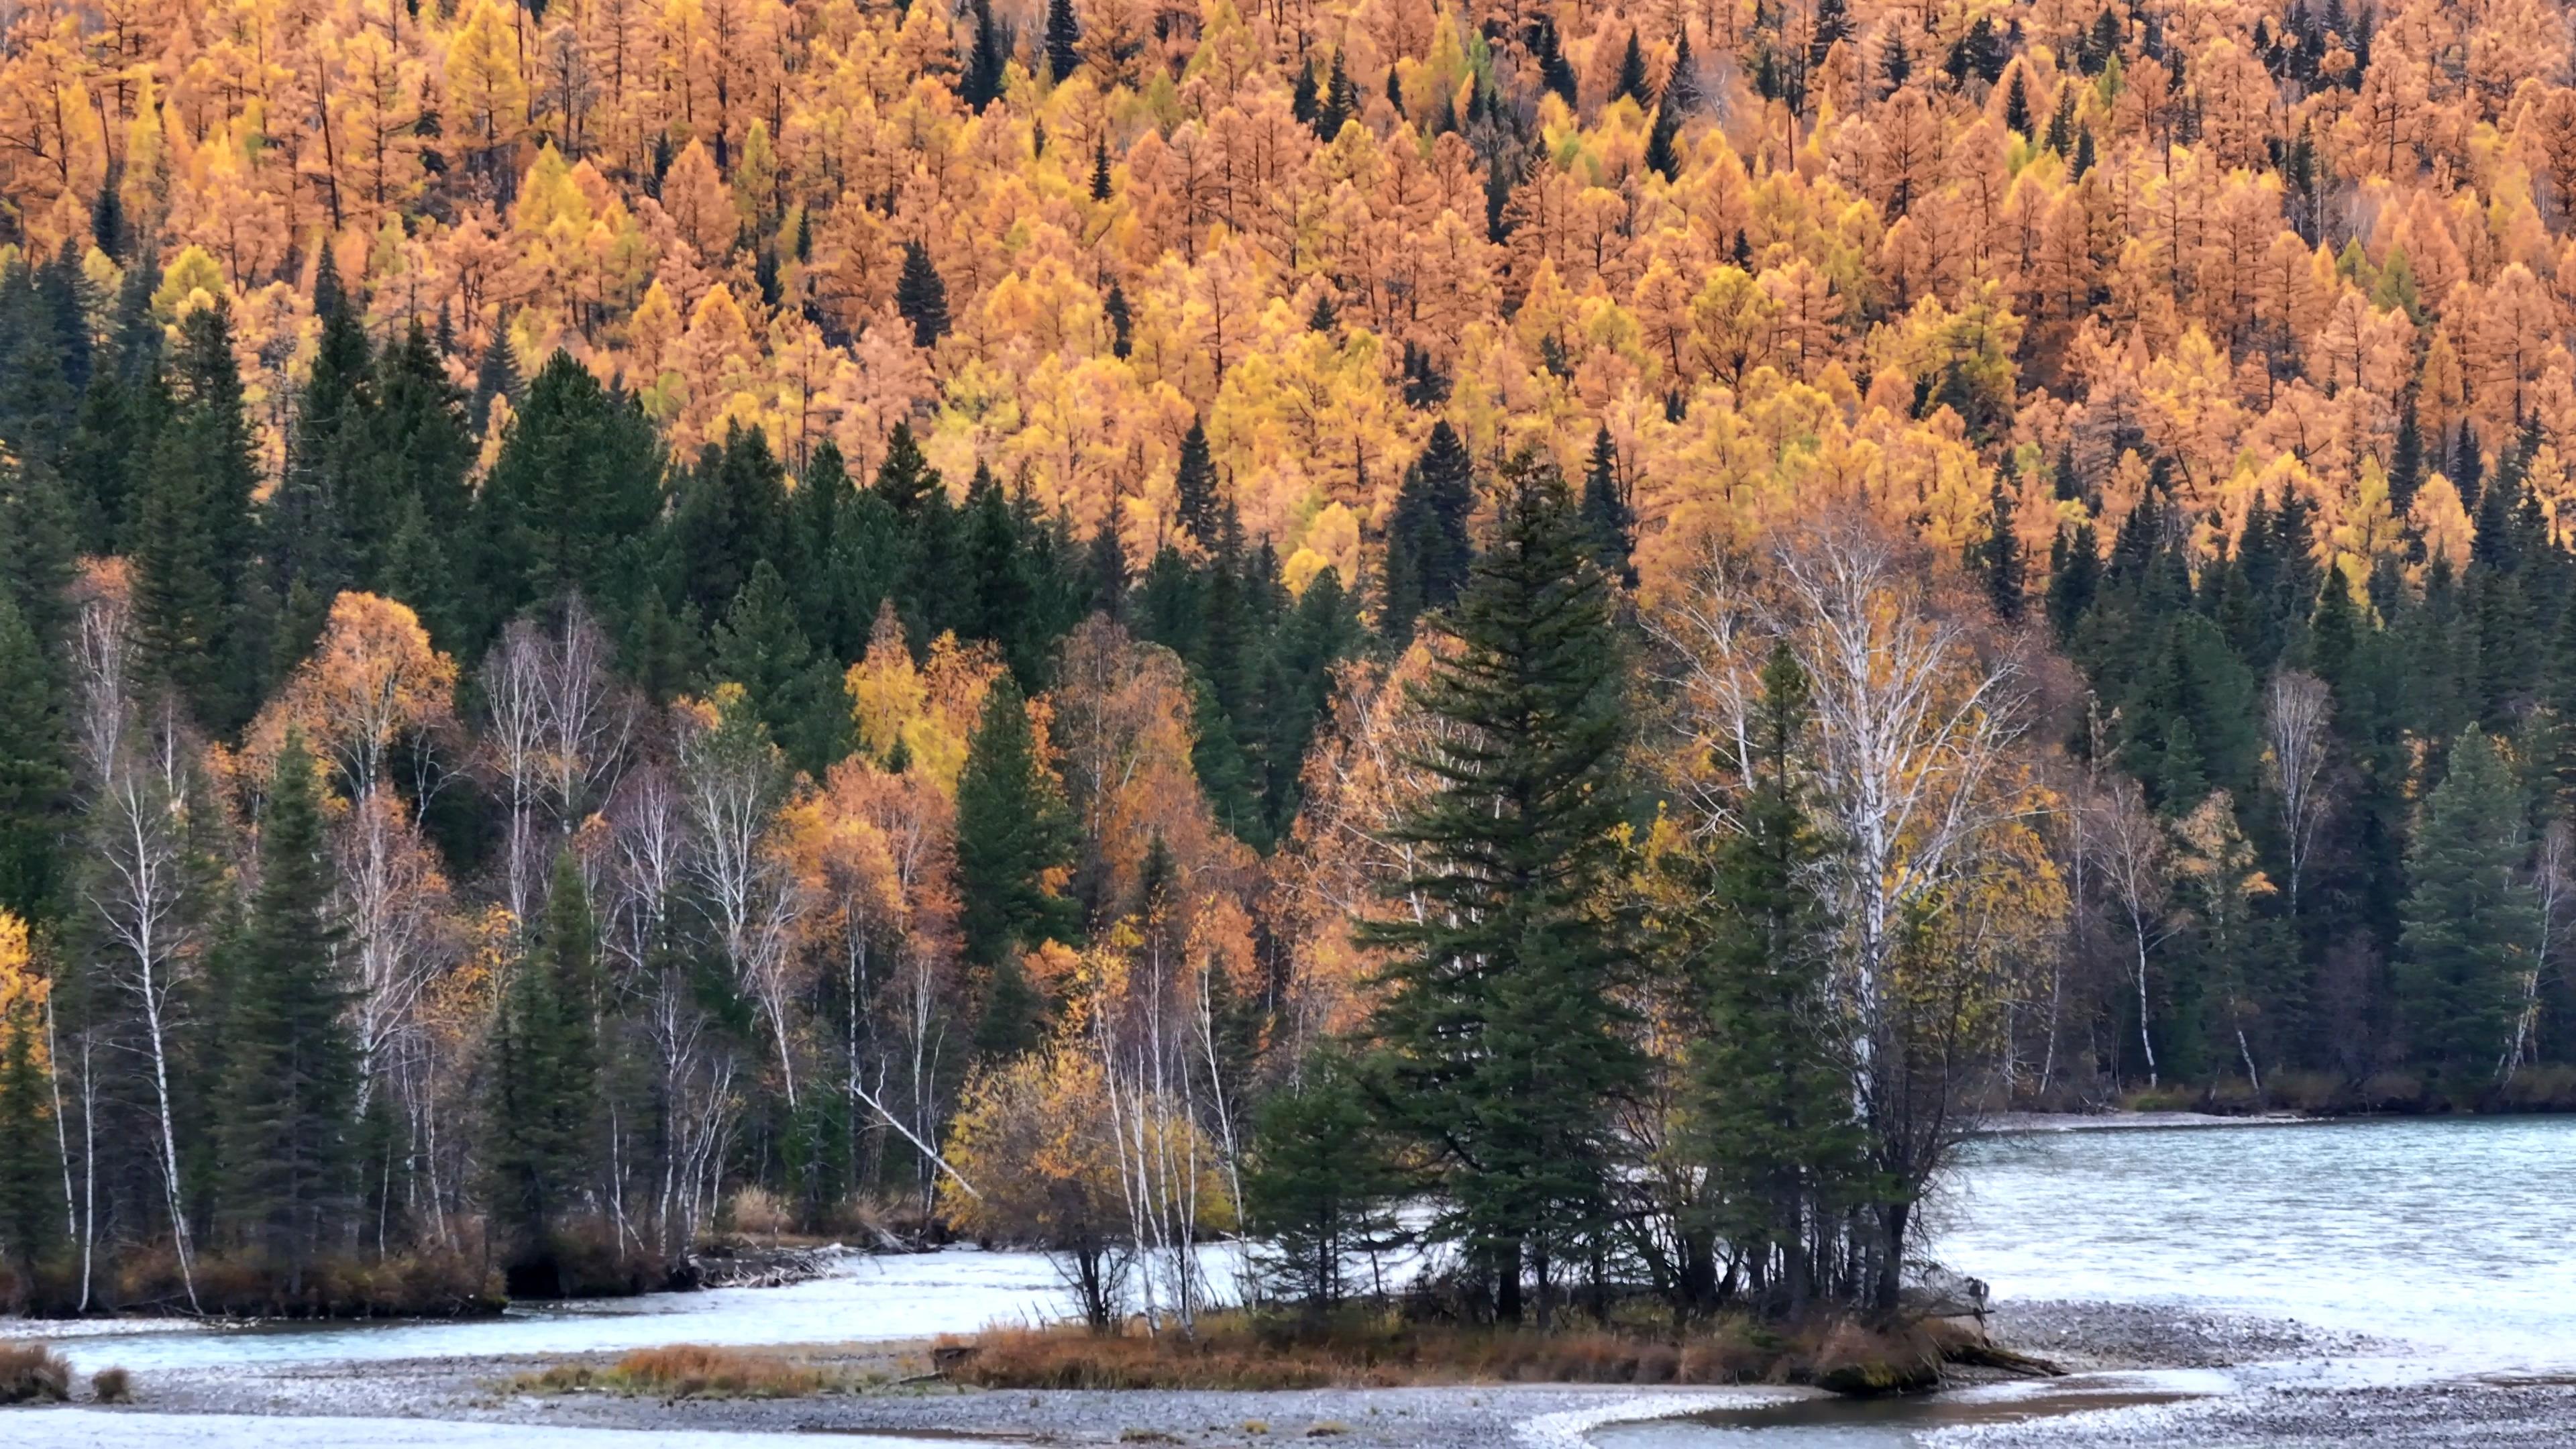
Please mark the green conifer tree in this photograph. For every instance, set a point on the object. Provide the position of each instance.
(2470, 922)
(1013, 829)
(1501, 1040)
(920, 295)
(1773, 1111)
(290, 1069)
(542, 1095)
(1427, 549)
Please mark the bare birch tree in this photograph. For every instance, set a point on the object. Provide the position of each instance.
(2297, 710)
(137, 779)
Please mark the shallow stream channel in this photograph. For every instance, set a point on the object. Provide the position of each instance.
(2416, 1254)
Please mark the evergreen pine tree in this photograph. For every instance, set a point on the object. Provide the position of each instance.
(2469, 920)
(290, 1080)
(1427, 549)
(496, 376)
(31, 1199)
(1319, 1187)
(979, 83)
(1122, 326)
(1012, 829)
(1194, 505)
(1774, 1112)
(1063, 39)
(542, 1091)
(921, 296)
(2017, 104)
(1895, 62)
(1681, 88)
(1663, 151)
(1999, 558)
(905, 480)
(197, 610)
(1631, 82)
(796, 691)
(34, 782)
(570, 505)
(1102, 187)
(1501, 1032)
(1607, 519)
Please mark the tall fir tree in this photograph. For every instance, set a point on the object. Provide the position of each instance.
(1428, 552)
(290, 1069)
(1063, 40)
(1771, 1108)
(2470, 921)
(1013, 832)
(35, 781)
(1194, 492)
(542, 1094)
(1501, 1035)
(920, 296)
(199, 608)
(569, 506)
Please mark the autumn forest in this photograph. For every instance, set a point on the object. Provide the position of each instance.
(1095, 624)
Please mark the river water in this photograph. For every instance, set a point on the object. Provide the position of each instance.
(2456, 1237)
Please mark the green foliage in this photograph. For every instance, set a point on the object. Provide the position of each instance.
(1013, 832)
(542, 1102)
(1771, 1104)
(1319, 1187)
(290, 1080)
(2470, 921)
(1500, 1036)
(1427, 548)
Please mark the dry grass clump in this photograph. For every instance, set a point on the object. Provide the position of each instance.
(112, 1386)
(31, 1372)
(689, 1371)
(1238, 1351)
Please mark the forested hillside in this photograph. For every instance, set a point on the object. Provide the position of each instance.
(1109, 620)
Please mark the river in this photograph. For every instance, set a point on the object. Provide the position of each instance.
(2447, 1240)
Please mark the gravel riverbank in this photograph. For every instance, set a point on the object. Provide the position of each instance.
(2295, 1387)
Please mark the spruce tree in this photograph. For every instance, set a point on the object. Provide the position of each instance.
(31, 1199)
(2000, 565)
(921, 297)
(1122, 323)
(542, 1095)
(2017, 104)
(35, 782)
(979, 83)
(2469, 920)
(1063, 39)
(1681, 88)
(1663, 149)
(1895, 62)
(290, 1080)
(796, 692)
(1102, 185)
(1427, 548)
(1631, 81)
(569, 506)
(905, 480)
(1771, 1107)
(496, 376)
(1608, 521)
(198, 608)
(1013, 828)
(1501, 1035)
(1320, 1185)
(1194, 505)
